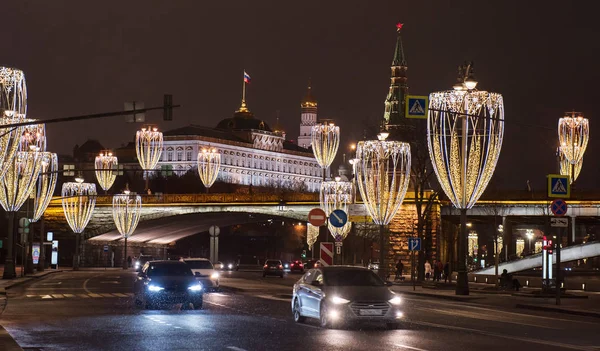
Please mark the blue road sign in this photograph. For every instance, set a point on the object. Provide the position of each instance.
(338, 238)
(559, 186)
(414, 244)
(559, 207)
(105, 248)
(416, 106)
(338, 218)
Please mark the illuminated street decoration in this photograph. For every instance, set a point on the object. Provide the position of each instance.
(45, 185)
(13, 109)
(148, 147)
(106, 169)
(78, 202)
(209, 163)
(568, 169)
(312, 233)
(126, 211)
(325, 141)
(336, 195)
(473, 244)
(465, 129)
(573, 137)
(19, 180)
(520, 246)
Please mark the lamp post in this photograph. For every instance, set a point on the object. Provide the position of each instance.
(106, 169)
(148, 147)
(126, 211)
(573, 137)
(209, 163)
(78, 202)
(13, 108)
(382, 174)
(465, 128)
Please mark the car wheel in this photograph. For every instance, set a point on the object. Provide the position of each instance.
(298, 318)
(323, 318)
(392, 326)
(198, 305)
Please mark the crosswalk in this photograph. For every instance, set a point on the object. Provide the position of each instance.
(80, 296)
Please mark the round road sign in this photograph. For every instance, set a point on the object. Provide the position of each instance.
(338, 218)
(559, 207)
(214, 230)
(317, 217)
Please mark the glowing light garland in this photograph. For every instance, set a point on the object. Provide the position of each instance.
(336, 195)
(209, 163)
(566, 168)
(126, 211)
(13, 108)
(148, 147)
(78, 202)
(33, 136)
(464, 134)
(573, 136)
(20, 179)
(106, 169)
(312, 234)
(382, 174)
(45, 185)
(325, 140)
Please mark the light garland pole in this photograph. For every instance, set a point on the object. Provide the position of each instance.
(42, 194)
(325, 141)
(106, 169)
(209, 163)
(573, 137)
(78, 202)
(336, 195)
(465, 128)
(382, 175)
(126, 211)
(13, 109)
(148, 147)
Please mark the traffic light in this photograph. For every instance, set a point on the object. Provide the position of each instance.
(303, 253)
(168, 107)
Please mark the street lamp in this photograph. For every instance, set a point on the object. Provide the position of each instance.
(13, 108)
(126, 211)
(106, 169)
(465, 128)
(382, 174)
(573, 137)
(148, 147)
(78, 202)
(209, 163)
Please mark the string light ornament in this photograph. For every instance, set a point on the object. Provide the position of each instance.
(325, 141)
(337, 195)
(33, 137)
(568, 169)
(209, 163)
(78, 202)
(312, 234)
(46, 183)
(126, 211)
(464, 134)
(13, 109)
(382, 174)
(106, 169)
(19, 180)
(148, 147)
(573, 136)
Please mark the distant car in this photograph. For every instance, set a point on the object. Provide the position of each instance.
(297, 266)
(374, 266)
(229, 266)
(342, 294)
(141, 260)
(218, 265)
(273, 267)
(204, 271)
(310, 264)
(167, 282)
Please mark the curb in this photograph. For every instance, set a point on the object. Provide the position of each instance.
(25, 280)
(558, 309)
(442, 297)
(7, 343)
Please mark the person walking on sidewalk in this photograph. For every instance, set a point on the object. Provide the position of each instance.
(427, 270)
(440, 270)
(447, 272)
(399, 269)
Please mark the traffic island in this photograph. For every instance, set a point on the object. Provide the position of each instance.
(7, 343)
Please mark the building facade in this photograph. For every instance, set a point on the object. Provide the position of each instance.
(308, 119)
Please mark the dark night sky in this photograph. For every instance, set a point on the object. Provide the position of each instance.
(82, 58)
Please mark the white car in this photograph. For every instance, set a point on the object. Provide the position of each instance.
(203, 269)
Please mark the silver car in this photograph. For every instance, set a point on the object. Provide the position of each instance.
(339, 294)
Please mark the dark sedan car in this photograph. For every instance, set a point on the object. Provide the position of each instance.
(296, 267)
(273, 267)
(167, 282)
(342, 294)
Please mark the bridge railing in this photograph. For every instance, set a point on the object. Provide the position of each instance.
(211, 198)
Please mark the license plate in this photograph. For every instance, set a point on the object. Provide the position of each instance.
(370, 312)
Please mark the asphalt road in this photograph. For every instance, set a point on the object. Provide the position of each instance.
(94, 310)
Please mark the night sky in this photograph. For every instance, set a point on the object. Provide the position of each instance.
(81, 58)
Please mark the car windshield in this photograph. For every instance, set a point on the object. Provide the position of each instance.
(352, 277)
(178, 270)
(199, 264)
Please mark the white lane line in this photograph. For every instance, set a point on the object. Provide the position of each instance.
(268, 297)
(235, 348)
(107, 295)
(110, 282)
(46, 297)
(58, 296)
(50, 283)
(409, 347)
(69, 295)
(119, 295)
(94, 295)
(511, 337)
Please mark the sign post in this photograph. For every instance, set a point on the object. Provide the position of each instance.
(326, 254)
(414, 244)
(214, 232)
(559, 208)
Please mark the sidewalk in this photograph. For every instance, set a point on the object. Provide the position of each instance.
(8, 283)
(583, 303)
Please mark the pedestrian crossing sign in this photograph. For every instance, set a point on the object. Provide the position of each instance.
(559, 186)
(416, 106)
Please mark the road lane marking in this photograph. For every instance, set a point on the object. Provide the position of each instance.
(409, 347)
(110, 282)
(50, 283)
(120, 295)
(32, 295)
(107, 295)
(94, 295)
(268, 297)
(511, 337)
(69, 295)
(234, 348)
(58, 296)
(83, 296)
(46, 297)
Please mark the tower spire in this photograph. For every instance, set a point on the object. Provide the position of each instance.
(395, 100)
(308, 107)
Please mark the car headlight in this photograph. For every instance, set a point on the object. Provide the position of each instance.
(230, 266)
(197, 287)
(215, 275)
(137, 264)
(338, 300)
(396, 300)
(153, 287)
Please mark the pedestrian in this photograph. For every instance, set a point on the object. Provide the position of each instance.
(112, 258)
(399, 270)
(447, 272)
(427, 270)
(129, 261)
(440, 269)
(435, 270)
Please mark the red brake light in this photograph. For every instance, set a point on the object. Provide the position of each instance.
(292, 265)
(280, 266)
(265, 266)
(300, 265)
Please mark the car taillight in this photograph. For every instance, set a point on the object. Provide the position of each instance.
(292, 265)
(300, 264)
(265, 266)
(280, 266)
